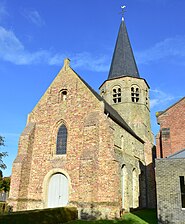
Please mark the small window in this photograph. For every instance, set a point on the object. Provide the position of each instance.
(146, 97)
(182, 187)
(102, 93)
(135, 94)
(116, 94)
(165, 133)
(61, 140)
(63, 95)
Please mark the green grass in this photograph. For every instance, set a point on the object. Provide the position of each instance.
(147, 216)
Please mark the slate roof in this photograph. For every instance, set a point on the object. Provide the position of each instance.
(113, 114)
(123, 61)
(177, 155)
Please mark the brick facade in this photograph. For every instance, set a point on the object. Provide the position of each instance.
(98, 148)
(170, 165)
(170, 138)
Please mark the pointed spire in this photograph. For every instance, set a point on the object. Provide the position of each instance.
(123, 61)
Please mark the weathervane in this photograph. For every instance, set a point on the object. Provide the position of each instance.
(123, 11)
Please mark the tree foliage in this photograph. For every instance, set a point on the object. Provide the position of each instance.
(2, 154)
(5, 184)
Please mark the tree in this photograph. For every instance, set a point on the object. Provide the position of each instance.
(2, 154)
(5, 184)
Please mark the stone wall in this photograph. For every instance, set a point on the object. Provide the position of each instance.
(97, 151)
(169, 207)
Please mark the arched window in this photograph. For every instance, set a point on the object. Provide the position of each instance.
(135, 93)
(116, 94)
(134, 189)
(63, 95)
(61, 140)
(124, 185)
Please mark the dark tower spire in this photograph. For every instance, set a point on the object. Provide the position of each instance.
(123, 61)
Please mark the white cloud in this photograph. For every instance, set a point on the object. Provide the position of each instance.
(13, 50)
(170, 47)
(159, 98)
(83, 60)
(34, 17)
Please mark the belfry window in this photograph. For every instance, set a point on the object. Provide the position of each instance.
(135, 93)
(182, 187)
(61, 140)
(116, 94)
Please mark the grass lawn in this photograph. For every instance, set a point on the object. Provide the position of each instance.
(147, 216)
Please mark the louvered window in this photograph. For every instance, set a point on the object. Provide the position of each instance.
(135, 94)
(116, 94)
(61, 140)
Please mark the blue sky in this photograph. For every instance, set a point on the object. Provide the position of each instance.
(35, 37)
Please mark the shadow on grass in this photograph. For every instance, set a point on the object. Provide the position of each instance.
(148, 215)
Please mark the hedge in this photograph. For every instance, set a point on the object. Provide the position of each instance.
(44, 216)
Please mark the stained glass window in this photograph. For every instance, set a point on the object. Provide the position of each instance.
(61, 140)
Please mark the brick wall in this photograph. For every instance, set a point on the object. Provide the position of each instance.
(169, 205)
(97, 148)
(170, 138)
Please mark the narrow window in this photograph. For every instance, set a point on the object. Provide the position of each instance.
(116, 94)
(102, 93)
(135, 190)
(165, 133)
(61, 140)
(63, 95)
(146, 97)
(182, 187)
(135, 94)
(124, 177)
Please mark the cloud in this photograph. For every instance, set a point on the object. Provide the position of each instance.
(83, 60)
(34, 17)
(159, 98)
(170, 47)
(13, 50)
(3, 11)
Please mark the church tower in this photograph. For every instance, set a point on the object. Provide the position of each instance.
(124, 90)
(128, 94)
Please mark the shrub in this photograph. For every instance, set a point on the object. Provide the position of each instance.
(44, 216)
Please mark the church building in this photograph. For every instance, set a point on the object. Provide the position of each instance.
(88, 150)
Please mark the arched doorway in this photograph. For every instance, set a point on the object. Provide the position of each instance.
(58, 191)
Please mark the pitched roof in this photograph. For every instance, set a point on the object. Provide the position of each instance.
(113, 114)
(177, 155)
(123, 61)
(158, 114)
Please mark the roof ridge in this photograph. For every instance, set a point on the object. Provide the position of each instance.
(111, 111)
(162, 112)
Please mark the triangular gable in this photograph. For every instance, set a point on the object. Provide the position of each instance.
(158, 114)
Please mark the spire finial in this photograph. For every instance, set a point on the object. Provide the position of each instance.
(123, 11)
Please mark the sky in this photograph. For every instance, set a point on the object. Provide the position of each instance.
(36, 36)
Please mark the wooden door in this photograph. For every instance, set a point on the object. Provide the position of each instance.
(58, 191)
